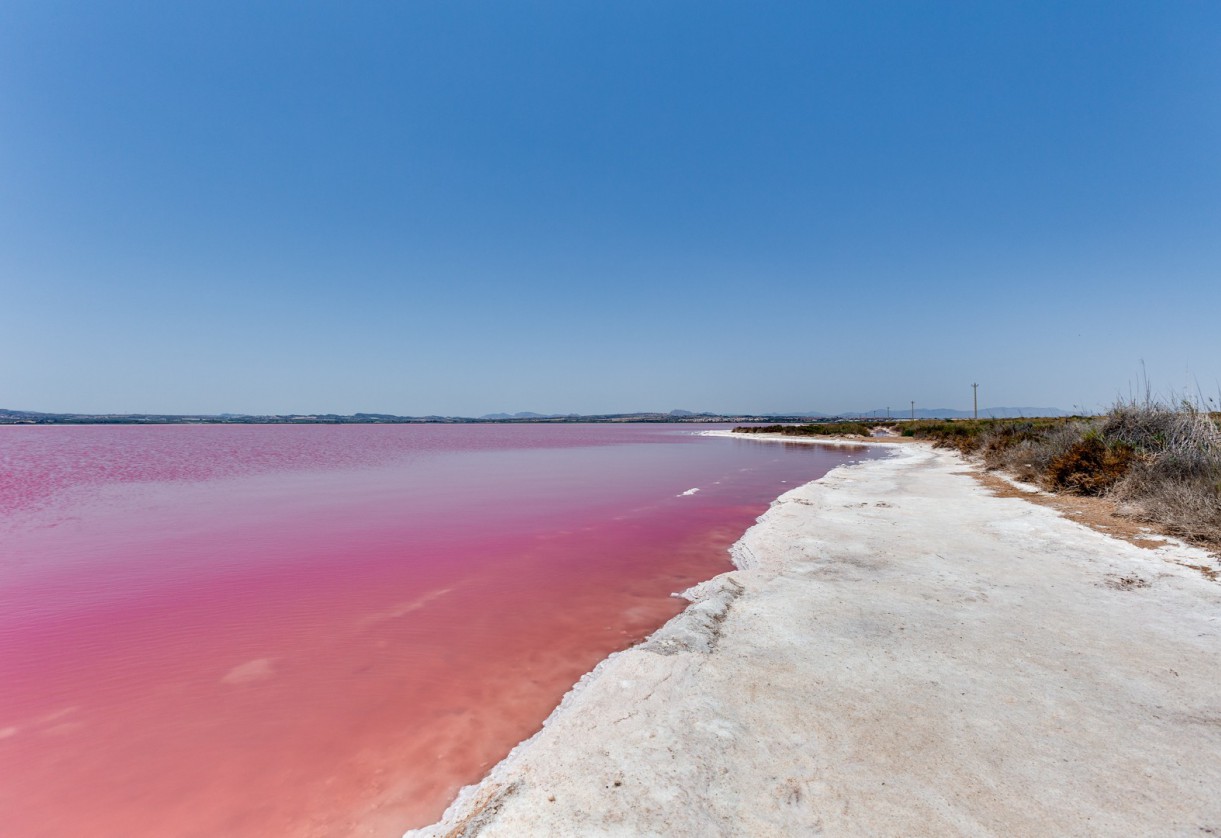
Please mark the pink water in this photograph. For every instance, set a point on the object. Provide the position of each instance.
(321, 630)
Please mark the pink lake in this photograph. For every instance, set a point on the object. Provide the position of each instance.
(328, 630)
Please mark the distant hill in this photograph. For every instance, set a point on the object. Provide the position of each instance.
(524, 415)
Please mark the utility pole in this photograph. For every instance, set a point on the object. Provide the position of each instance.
(975, 398)
(913, 411)
(888, 414)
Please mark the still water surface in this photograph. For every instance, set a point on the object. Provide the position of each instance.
(328, 630)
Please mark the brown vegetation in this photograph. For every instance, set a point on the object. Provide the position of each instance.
(1161, 463)
(1090, 467)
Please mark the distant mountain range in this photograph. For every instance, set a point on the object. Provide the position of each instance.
(28, 417)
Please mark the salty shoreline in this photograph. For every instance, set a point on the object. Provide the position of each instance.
(898, 652)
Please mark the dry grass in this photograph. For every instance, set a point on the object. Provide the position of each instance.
(1176, 480)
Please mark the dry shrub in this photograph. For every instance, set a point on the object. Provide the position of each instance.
(1190, 508)
(963, 436)
(1028, 455)
(1162, 462)
(1090, 467)
(1177, 483)
(1000, 442)
(1018, 460)
(1158, 428)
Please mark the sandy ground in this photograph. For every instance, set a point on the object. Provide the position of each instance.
(902, 652)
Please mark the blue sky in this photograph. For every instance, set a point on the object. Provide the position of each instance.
(460, 208)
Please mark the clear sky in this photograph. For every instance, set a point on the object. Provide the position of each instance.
(460, 208)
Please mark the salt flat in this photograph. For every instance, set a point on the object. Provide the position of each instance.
(900, 653)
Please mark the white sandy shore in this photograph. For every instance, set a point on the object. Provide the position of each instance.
(901, 653)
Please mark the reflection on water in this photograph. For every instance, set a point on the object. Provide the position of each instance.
(269, 630)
